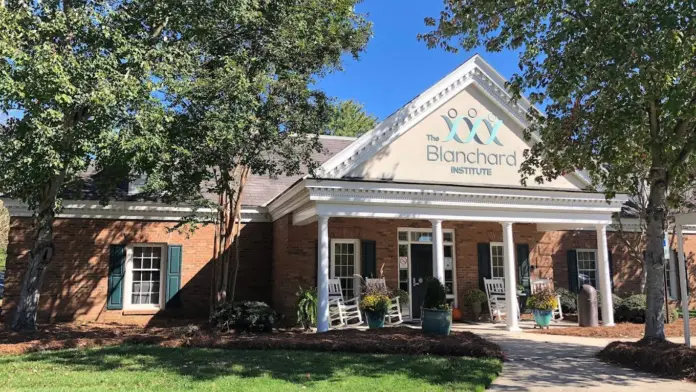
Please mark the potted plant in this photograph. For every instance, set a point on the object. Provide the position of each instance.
(475, 298)
(436, 315)
(542, 303)
(375, 307)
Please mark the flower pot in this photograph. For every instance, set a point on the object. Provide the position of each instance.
(543, 317)
(476, 310)
(374, 319)
(436, 321)
(456, 314)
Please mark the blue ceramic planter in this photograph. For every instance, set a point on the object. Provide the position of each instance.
(543, 317)
(374, 319)
(435, 321)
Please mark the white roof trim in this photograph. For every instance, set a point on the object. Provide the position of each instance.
(129, 210)
(475, 71)
(306, 198)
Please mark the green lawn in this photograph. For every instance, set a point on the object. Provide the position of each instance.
(144, 368)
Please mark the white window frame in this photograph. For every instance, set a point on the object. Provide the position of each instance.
(596, 269)
(454, 297)
(502, 245)
(128, 279)
(358, 263)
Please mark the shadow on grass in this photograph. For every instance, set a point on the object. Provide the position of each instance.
(291, 366)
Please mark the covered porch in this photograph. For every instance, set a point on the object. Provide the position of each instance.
(446, 221)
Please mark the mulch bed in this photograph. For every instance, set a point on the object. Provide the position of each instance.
(397, 340)
(659, 357)
(621, 330)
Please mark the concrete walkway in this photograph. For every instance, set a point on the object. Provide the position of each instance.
(563, 363)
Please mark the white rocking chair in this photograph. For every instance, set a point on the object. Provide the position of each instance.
(541, 284)
(342, 312)
(393, 315)
(495, 292)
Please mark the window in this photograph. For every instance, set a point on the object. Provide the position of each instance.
(345, 265)
(144, 270)
(587, 268)
(497, 260)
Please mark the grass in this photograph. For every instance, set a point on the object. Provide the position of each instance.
(3, 257)
(146, 368)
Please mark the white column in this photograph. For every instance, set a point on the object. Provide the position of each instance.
(438, 252)
(605, 277)
(511, 306)
(323, 275)
(683, 286)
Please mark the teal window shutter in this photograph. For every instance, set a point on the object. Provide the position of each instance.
(369, 258)
(573, 284)
(523, 266)
(174, 264)
(117, 259)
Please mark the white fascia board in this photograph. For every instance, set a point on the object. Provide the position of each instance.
(129, 210)
(447, 214)
(401, 193)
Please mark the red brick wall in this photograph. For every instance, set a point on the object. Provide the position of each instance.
(75, 282)
(295, 253)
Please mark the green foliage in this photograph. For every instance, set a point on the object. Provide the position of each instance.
(569, 300)
(307, 307)
(617, 84)
(375, 303)
(435, 295)
(245, 316)
(474, 296)
(402, 294)
(615, 299)
(545, 299)
(251, 101)
(79, 83)
(631, 309)
(348, 118)
(3, 259)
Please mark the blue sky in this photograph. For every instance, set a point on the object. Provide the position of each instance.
(396, 66)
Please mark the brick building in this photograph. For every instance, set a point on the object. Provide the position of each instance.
(434, 190)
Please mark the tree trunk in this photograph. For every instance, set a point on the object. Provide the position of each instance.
(643, 278)
(656, 217)
(39, 257)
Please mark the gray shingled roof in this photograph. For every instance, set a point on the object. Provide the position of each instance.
(261, 189)
(258, 191)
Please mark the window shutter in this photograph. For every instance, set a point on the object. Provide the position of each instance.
(573, 271)
(174, 264)
(523, 266)
(369, 258)
(484, 263)
(611, 270)
(117, 258)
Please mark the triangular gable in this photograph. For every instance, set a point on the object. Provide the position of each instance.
(463, 130)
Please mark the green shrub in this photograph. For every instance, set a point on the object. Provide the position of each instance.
(543, 300)
(402, 294)
(435, 295)
(617, 301)
(631, 309)
(569, 300)
(475, 296)
(245, 316)
(307, 301)
(673, 314)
